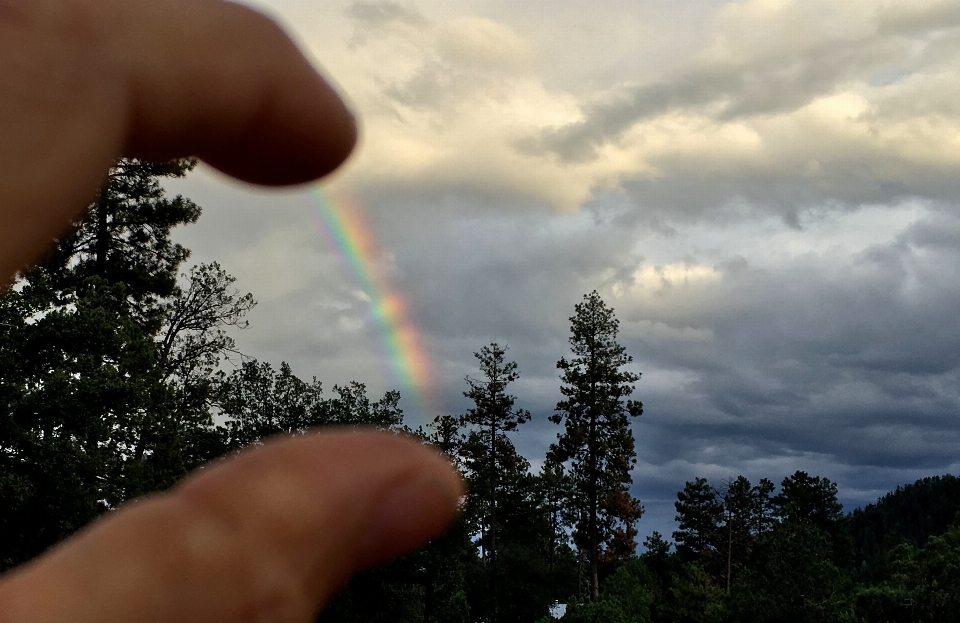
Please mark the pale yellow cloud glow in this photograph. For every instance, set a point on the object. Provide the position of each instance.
(463, 96)
(650, 279)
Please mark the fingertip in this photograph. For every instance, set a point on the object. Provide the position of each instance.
(234, 90)
(304, 133)
(409, 514)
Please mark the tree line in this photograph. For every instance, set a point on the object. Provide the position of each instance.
(118, 375)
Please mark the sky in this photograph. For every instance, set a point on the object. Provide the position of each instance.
(767, 193)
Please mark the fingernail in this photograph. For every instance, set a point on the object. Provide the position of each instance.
(410, 514)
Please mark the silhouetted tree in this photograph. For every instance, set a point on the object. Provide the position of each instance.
(699, 515)
(597, 439)
(492, 416)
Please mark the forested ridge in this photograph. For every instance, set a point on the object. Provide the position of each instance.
(912, 512)
(118, 375)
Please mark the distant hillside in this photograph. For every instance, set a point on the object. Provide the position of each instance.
(916, 512)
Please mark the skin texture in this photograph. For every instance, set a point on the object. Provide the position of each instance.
(268, 535)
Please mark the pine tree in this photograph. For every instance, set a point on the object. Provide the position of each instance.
(737, 536)
(719, 527)
(125, 238)
(597, 439)
(806, 499)
(492, 416)
(555, 491)
(699, 515)
(763, 507)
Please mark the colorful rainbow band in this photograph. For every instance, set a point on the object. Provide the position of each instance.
(341, 222)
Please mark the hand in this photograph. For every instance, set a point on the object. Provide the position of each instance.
(271, 534)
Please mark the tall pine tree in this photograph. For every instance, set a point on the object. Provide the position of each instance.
(492, 417)
(597, 439)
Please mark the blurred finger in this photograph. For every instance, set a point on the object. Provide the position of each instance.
(268, 536)
(86, 81)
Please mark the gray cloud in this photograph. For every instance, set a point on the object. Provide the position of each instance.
(376, 14)
(917, 18)
(369, 17)
(724, 91)
(843, 359)
(835, 363)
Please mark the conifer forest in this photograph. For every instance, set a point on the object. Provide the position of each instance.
(119, 375)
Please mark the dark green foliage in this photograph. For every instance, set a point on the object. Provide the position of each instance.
(627, 597)
(699, 516)
(258, 402)
(125, 238)
(694, 597)
(744, 507)
(793, 580)
(656, 587)
(516, 589)
(718, 528)
(809, 499)
(915, 512)
(445, 564)
(554, 489)
(88, 419)
(763, 507)
(597, 440)
(721, 529)
(913, 584)
(813, 500)
(681, 590)
(392, 593)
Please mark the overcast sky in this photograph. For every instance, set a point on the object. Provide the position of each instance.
(767, 193)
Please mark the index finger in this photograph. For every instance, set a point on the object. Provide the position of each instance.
(86, 81)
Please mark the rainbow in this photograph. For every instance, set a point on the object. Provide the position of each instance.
(340, 221)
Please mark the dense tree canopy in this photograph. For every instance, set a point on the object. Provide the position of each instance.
(88, 417)
(913, 512)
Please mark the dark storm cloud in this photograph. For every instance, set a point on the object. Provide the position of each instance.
(844, 365)
(694, 195)
(852, 371)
